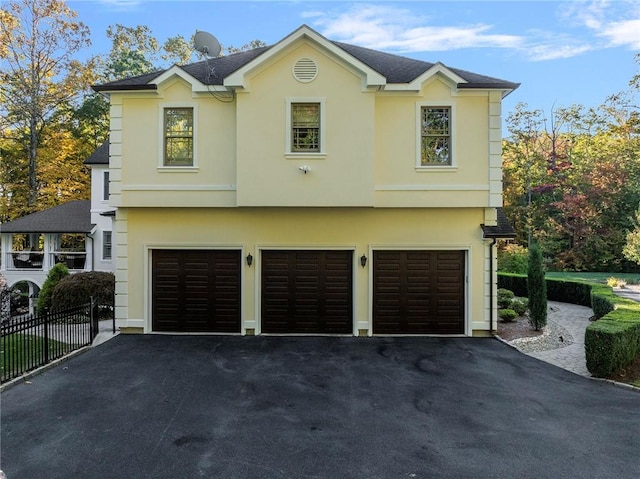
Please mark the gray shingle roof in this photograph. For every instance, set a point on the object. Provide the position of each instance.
(395, 68)
(72, 217)
(503, 229)
(100, 156)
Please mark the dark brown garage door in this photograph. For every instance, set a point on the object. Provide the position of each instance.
(196, 291)
(307, 292)
(418, 292)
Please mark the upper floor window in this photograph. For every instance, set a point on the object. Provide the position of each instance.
(106, 245)
(178, 137)
(105, 186)
(435, 136)
(305, 126)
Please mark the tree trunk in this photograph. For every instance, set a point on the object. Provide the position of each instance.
(33, 163)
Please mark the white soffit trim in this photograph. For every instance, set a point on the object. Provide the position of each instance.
(437, 69)
(372, 77)
(177, 71)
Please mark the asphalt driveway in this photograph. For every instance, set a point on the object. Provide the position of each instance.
(279, 407)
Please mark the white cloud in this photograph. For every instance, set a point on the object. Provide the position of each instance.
(121, 5)
(623, 33)
(400, 30)
(617, 23)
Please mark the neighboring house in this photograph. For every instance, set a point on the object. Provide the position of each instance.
(307, 187)
(77, 234)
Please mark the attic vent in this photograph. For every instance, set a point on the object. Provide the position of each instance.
(305, 70)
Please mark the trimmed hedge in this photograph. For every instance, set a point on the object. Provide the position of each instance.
(79, 288)
(612, 342)
(557, 290)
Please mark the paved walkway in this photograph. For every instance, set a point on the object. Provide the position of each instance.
(575, 319)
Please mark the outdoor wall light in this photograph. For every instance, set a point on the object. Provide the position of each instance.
(249, 259)
(363, 261)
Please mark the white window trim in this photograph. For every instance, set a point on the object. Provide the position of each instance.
(161, 165)
(103, 243)
(106, 187)
(454, 161)
(323, 130)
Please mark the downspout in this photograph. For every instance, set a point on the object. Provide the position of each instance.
(491, 317)
(92, 251)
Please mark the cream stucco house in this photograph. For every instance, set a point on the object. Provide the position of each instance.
(307, 187)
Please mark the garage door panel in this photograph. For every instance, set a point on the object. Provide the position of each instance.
(418, 292)
(196, 290)
(312, 291)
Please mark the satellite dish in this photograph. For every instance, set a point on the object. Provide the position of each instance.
(206, 44)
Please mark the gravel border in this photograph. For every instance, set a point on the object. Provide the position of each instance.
(553, 336)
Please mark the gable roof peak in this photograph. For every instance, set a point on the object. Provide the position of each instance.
(379, 69)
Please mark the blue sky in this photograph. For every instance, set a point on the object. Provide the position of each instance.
(562, 52)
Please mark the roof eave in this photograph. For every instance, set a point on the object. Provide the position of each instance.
(115, 88)
(505, 87)
(497, 232)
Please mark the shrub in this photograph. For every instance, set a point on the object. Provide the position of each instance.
(505, 297)
(5, 299)
(512, 259)
(573, 292)
(612, 282)
(520, 306)
(514, 282)
(537, 289)
(507, 315)
(79, 288)
(611, 345)
(55, 275)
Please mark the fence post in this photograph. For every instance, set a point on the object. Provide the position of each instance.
(45, 312)
(93, 331)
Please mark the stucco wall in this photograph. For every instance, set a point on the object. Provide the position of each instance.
(371, 143)
(253, 229)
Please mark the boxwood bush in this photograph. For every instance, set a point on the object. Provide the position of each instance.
(612, 342)
(79, 288)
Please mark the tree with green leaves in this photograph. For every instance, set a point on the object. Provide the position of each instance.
(574, 177)
(631, 248)
(537, 288)
(55, 275)
(39, 76)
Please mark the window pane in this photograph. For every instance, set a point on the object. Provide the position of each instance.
(105, 189)
(178, 128)
(435, 150)
(436, 136)
(305, 122)
(435, 121)
(106, 245)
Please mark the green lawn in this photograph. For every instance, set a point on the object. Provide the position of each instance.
(630, 278)
(26, 350)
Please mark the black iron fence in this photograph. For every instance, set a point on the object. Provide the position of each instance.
(33, 340)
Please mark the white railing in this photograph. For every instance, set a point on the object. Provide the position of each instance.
(74, 260)
(34, 260)
(24, 259)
